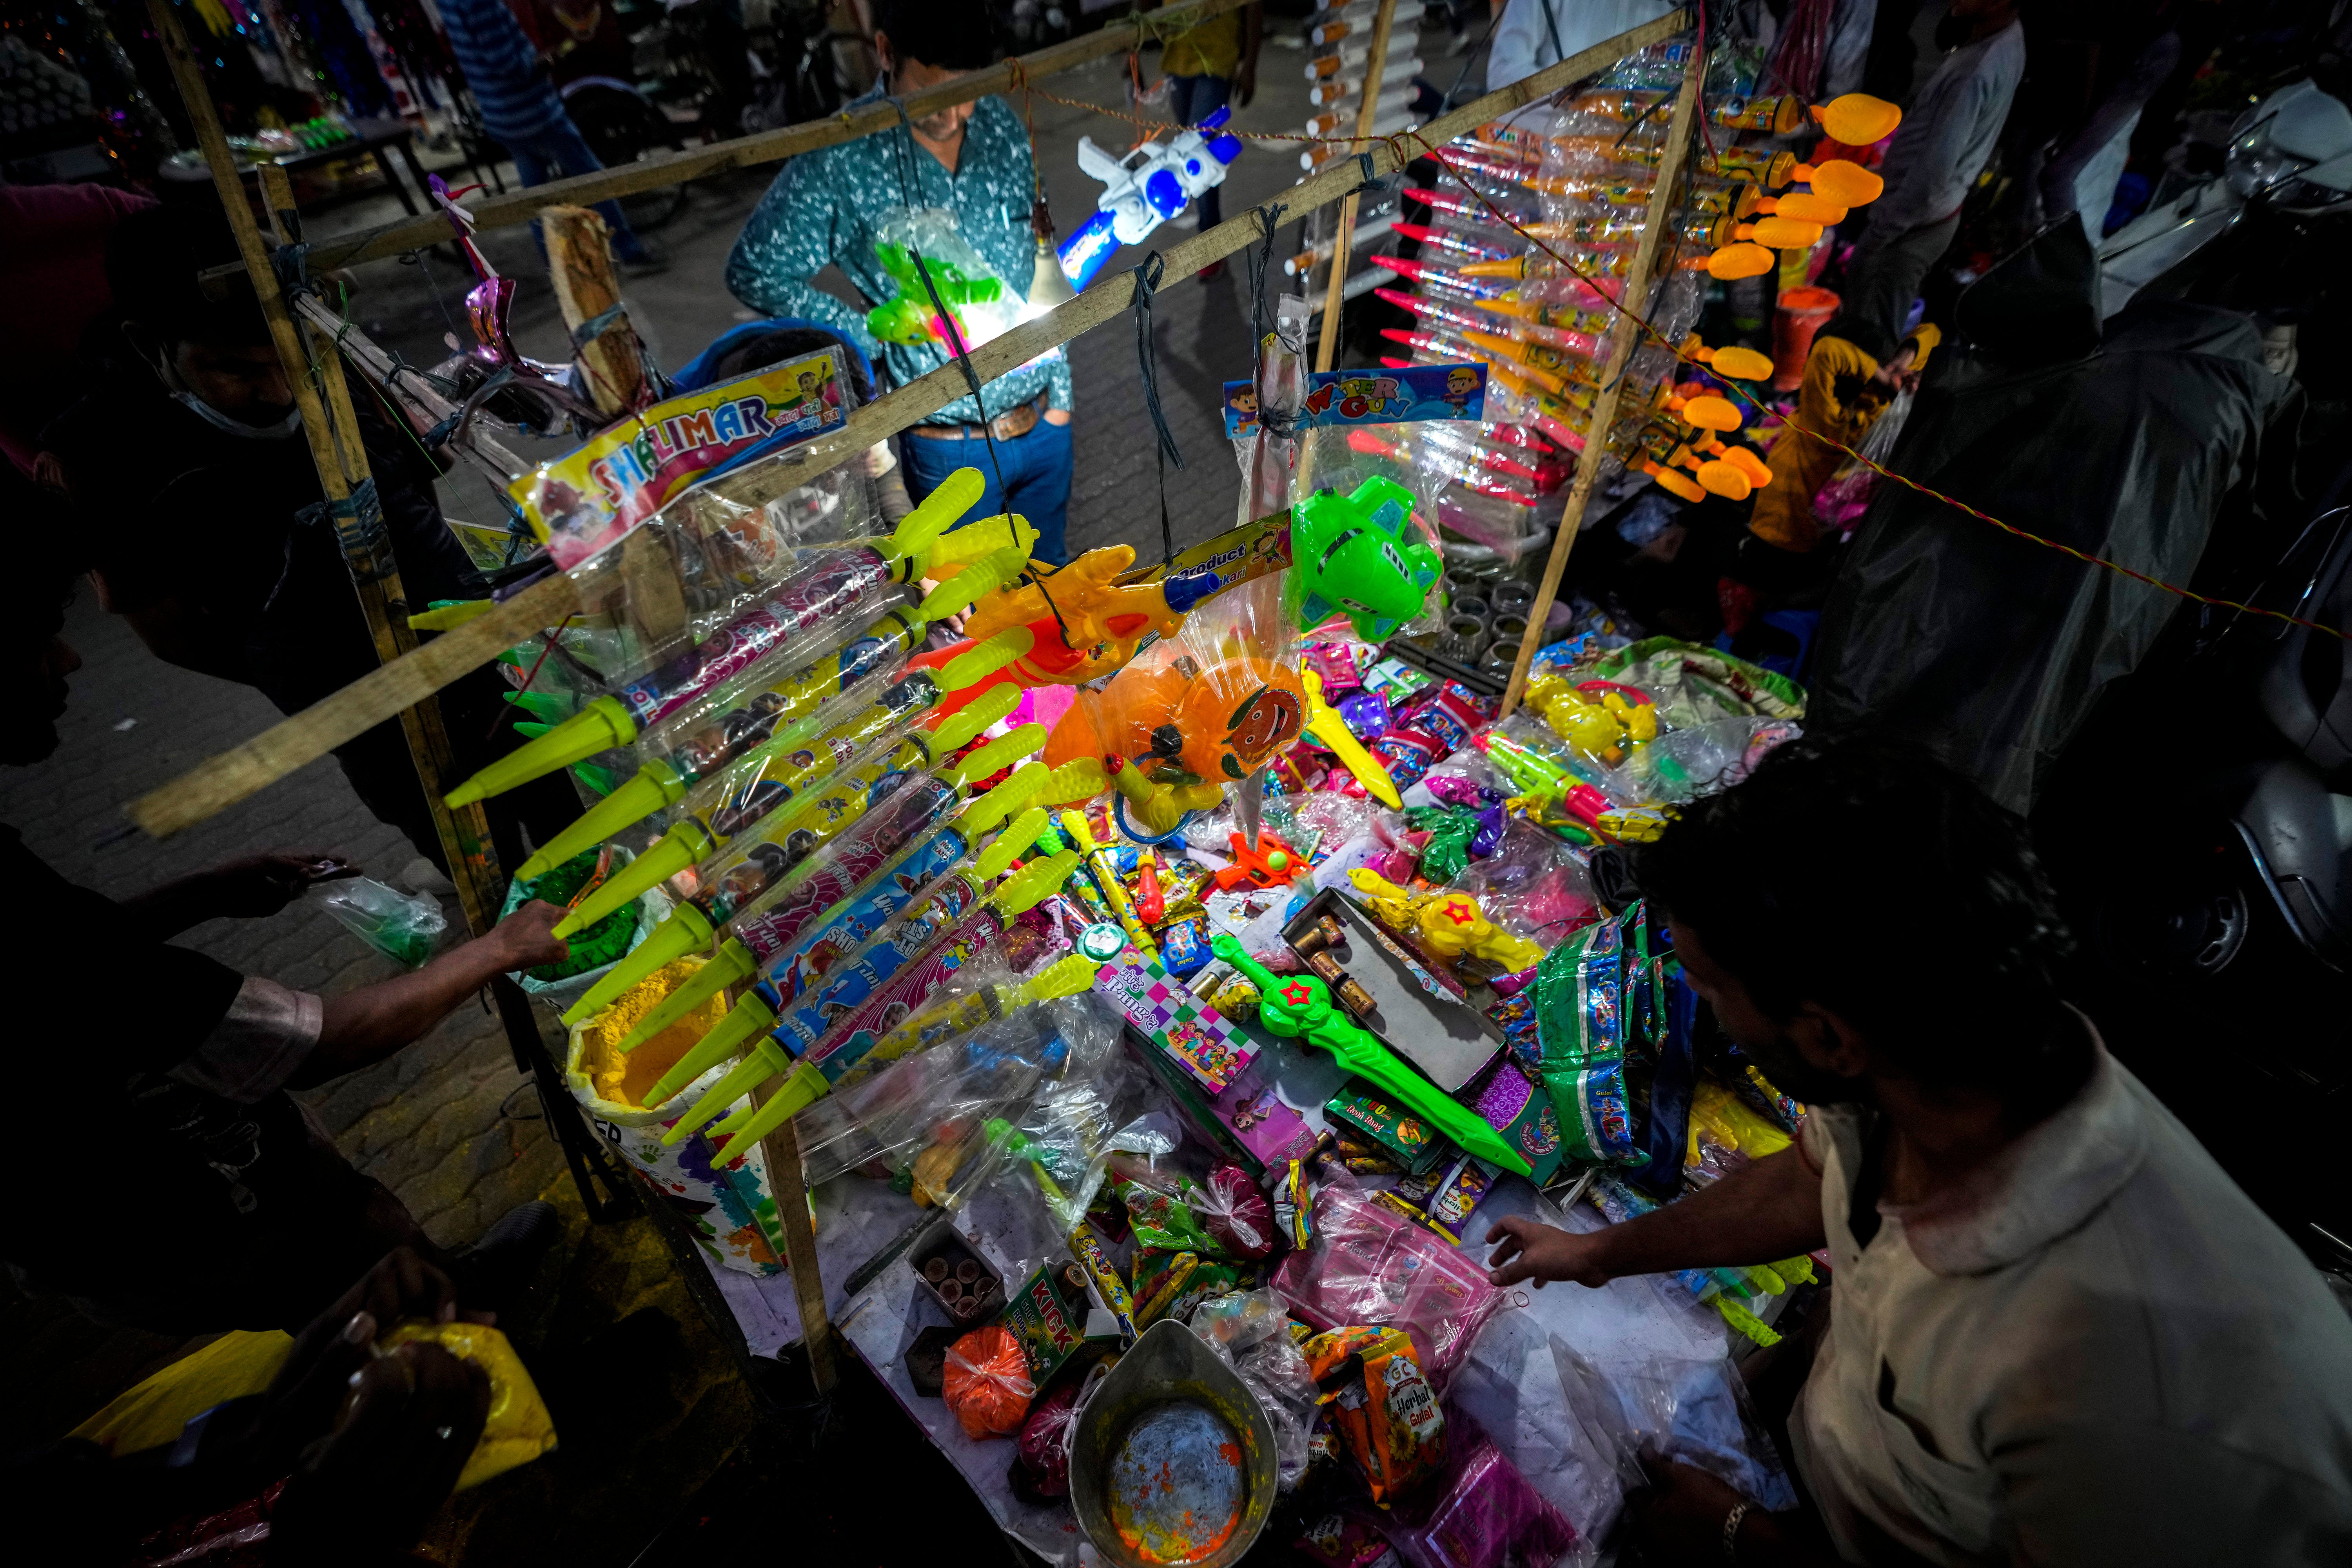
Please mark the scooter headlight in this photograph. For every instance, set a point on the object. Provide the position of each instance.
(2255, 163)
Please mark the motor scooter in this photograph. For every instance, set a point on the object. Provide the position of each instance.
(2291, 152)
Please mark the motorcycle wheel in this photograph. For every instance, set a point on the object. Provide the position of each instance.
(622, 127)
(2183, 933)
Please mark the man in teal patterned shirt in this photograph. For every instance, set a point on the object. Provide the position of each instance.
(974, 161)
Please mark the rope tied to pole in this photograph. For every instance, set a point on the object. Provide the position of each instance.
(1148, 273)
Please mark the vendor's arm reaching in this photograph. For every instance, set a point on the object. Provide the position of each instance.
(1768, 1208)
(369, 1024)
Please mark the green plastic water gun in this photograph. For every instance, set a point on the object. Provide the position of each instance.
(805, 1084)
(1299, 1006)
(909, 319)
(921, 547)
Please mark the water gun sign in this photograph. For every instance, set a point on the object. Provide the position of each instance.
(586, 499)
(1372, 397)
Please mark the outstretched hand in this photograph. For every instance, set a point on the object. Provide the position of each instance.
(368, 1487)
(524, 940)
(258, 885)
(1527, 1248)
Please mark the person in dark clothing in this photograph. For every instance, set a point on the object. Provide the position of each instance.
(366, 1441)
(200, 1197)
(199, 512)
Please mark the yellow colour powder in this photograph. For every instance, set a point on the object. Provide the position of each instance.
(625, 1078)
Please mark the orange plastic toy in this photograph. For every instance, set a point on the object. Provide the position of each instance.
(1272, 864)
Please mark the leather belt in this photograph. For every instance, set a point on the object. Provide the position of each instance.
(1009, 425)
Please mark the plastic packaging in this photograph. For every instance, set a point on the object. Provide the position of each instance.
(987, 1382)
(1380, 1406)
(1234, 1211)
(1698, 1413)
(1195, 712)
(403, 927)
(980, 306)
(941, 1094)
(1839, 503)
(1371, 1265)
(1251, 1328)
(1480, 1511)
(1045, 1442)
(1269, 455)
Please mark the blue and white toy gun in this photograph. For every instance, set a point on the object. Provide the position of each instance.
(1144, 190)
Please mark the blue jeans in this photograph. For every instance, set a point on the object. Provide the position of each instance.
(1036, 478)
(1192, 100)
(560, 150)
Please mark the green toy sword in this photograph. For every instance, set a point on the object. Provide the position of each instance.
(1299, 1006)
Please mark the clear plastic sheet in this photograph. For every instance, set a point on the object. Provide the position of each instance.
(1267, 459)
(1250, 1330)
(942, 1094)
(1697, 1413)
(403, 927)
(686, 575)
(1074, 1120)
(1704, 759)
(1689, 1410)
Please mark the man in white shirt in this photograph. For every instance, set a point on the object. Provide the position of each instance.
(2060, 1333)
(1947, 135)
(1534, 34)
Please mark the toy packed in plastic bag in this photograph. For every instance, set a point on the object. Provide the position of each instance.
(1195, 713)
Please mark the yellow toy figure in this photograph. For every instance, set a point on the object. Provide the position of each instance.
(1449, 924)
(1602, 719)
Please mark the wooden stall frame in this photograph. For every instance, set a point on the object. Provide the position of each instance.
(329, 426)
(411, 676)
(314, 374)
(219, 781)
(1625, 338)
(1327, 347)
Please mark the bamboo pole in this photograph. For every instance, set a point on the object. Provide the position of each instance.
(1624, 339)
(1122, 36)
(219, 781)
(1327, 348)
(330, 426)
(788, 1185)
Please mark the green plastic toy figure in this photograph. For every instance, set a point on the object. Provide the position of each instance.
(1359, 554)
(1299, 1006)
(909, 319)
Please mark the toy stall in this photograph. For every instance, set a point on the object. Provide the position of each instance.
(1123, 1021)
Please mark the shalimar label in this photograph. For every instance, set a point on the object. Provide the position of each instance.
(1411, 1403)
